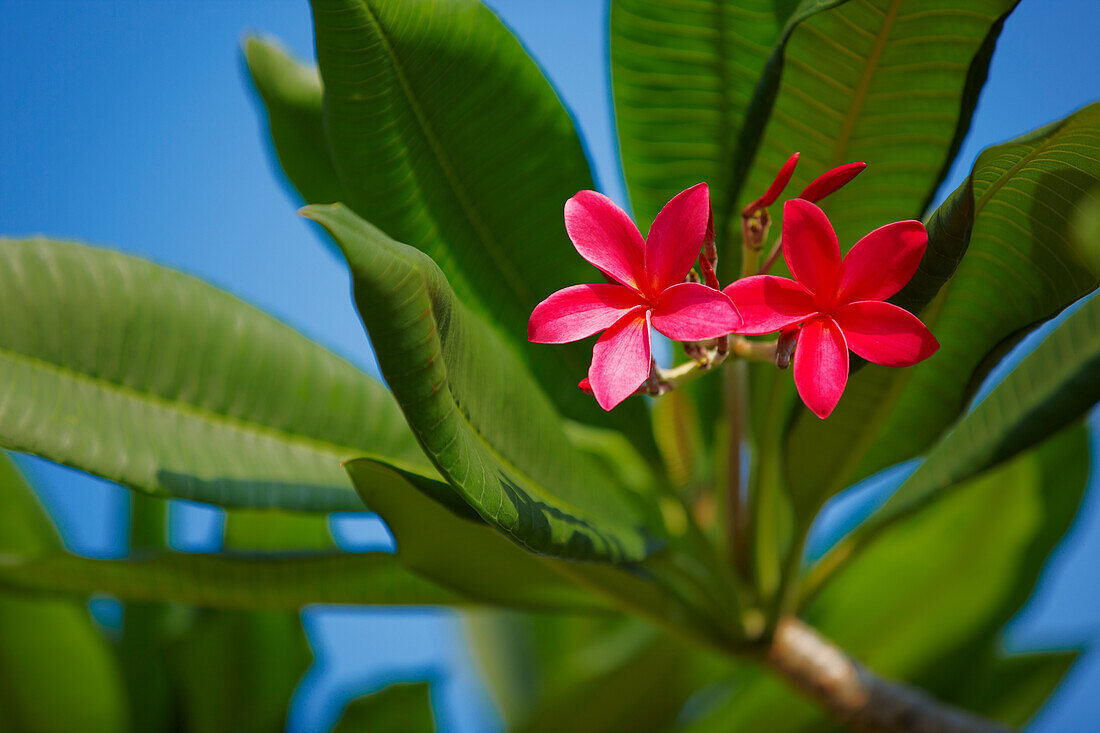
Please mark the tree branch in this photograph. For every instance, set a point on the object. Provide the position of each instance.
(857, 696)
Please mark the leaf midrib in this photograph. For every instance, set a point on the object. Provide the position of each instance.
(457, 407)
(519, 290)
(338, 451)
(859, 98)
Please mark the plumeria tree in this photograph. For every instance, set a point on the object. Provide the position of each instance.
(628, 531)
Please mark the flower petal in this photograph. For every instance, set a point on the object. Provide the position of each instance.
(821, 365)
(621, 358)
(885, 334)
(605, 236)
(830, 181)
(676, 237)
(768, 303)
(579, 311)
(781, 180)
(881, 263)
(693, 312)
(811, 249)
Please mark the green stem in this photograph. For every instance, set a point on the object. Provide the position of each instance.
(787, 593)
(142, 649)
(736, 392)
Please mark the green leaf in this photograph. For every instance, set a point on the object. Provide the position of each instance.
(446, 135)
(684, 75)
(59, 674)
(440, 538)
(1013, 688)
(235, 671)
(925, 601)
(146, 627)
(291, 95)
(265, 530)
(402, 708)
(462, 552)
(476, 411)
(1021, 267)
(154, 379)
(643, 691)
(881, 81)
(260, 582)
(1051, 387)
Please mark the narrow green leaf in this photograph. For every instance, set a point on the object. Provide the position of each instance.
(882, 81)
(154, 379)
(1013, 688)
(462, 552)
(644, 691)
(1021, 267)
(446, 135)
(59, 674)
(401, 708)
(235, 671)
(145, 627)
(476, 411)
(1051, 387)
(925, 601)
(228, 581)
(271, 530)
(291, 95)
(684, 75)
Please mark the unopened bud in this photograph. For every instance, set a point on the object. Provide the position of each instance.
(585, 386)
(781, 180)
(830, 181)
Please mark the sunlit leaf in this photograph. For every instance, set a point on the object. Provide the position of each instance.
(151, 378)
(473, 406)
(446, 135)
(1004, 247)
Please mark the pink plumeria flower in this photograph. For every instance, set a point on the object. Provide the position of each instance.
(837, 304)
(648, 289)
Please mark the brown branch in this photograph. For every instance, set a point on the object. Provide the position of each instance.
(857, 696)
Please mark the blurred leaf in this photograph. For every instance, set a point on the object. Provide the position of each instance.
(401, 708)
(644, 691)
(236, 671)
(882, 81)
(525, 658)
(450, 544)
(151, 378)
(1010, 220)
(463, 553)
(145, 627)
(476, 411)
(228, 581)
(924, 602)
(1053, 386)
(291, 95)
(1013, 688)
(271, 530)
(446, 135)
(59, 674)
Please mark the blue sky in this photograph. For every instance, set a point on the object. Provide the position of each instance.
(131, 124)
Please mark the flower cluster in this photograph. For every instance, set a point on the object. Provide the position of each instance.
(832, 305)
